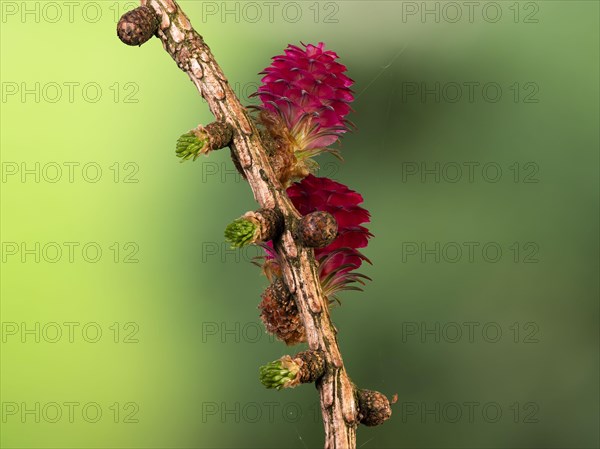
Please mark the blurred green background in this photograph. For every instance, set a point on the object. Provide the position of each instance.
(126, 321)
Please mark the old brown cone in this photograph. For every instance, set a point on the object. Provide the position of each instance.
(280, 314)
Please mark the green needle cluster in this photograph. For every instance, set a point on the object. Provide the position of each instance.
(241, 232)
(190, 146)
(275, 375)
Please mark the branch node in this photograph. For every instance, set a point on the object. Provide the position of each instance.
(219, 133)
(137, 26)
(312, 365)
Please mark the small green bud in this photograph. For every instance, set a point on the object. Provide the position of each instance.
(279, 374)
(241, 232)
(191, 145)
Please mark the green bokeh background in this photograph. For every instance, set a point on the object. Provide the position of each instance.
(185, 284)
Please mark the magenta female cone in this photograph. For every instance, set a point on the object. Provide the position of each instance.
(306, 91)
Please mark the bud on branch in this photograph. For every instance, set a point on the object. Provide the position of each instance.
(317, 229)
(203, 139)
(373, 407)
(287, 372)
(136, 27)
(253, 227)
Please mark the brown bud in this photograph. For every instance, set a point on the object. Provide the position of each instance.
(373, 407)
(317, 229)
(137, 26)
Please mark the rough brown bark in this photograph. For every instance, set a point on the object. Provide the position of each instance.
(193, 56)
